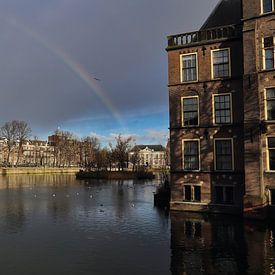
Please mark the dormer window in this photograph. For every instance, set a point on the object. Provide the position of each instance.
(267, 6)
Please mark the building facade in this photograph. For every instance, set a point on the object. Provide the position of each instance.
(222, 111)
(32, 153)
(152, 156)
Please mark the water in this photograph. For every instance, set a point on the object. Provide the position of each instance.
(54, 224)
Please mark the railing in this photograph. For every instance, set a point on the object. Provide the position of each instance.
(187, 39)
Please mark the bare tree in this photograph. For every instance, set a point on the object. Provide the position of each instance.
(90, 149)
(9, 133)
(121, 150)
(134, 157)
(102, 159)
(23, 132)
(109, 158)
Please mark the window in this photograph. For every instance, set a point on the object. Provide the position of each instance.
(268, 52)
(192, 229)
(271, 153)
(270, 104)
(190, 111)
(192, 193)
(224, 194)
(191, 155)
(220, 63)
(222, 109)
(189, 67)
(223, 155)
(267, 6)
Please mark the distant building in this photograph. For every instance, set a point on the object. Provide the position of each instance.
(32, 153)
(222, 111)
(153, 156)
(38, 153)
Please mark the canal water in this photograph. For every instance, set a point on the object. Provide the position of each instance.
(54, 224)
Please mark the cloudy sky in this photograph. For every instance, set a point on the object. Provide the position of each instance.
(91, 66)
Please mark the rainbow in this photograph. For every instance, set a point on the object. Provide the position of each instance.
(72, 64)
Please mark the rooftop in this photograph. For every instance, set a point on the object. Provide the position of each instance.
(226, 12)
(223, 23)
(151, 147)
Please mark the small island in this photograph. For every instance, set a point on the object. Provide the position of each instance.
(115, 175)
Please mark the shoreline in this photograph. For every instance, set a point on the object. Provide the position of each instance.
(37, 170)
(117, 175)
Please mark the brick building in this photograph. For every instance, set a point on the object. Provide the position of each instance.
(222, 111)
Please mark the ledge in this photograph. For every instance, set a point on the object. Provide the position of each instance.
(226, 79)
(203, 37)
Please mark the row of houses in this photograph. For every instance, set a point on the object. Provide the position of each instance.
(32, 153)
(53, 152)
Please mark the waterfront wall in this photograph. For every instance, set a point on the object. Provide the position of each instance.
(35, 170)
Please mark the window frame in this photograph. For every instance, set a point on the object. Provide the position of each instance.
(199, 154)
(192, 186)
(182, 110)
(181, 68)
(229, 63)
(263, 53)
(262, 7)
(267, 154)
(265, 103)
(224, 186)
(232, 155)
(214, 111)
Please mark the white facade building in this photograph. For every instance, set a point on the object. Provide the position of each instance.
(152, 156)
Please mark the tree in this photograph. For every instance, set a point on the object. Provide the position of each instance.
(102, 159)
(23, 132)
(121, 150)
(65, 148)
(90, 148)
(8, 132)
(134, 157)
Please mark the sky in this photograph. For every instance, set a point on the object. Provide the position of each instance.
(93, 67)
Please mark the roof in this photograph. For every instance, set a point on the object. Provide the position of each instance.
(227, 12)
(151, 147)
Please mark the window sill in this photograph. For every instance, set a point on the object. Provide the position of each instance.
(224, 204)
(191, 81)
(221, 78)
(224, 171)
(190, 126)
(192, 202)
(222, 124)
(267, 13)
(269, 171)
(267, 70)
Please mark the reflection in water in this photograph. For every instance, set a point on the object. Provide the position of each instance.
(54, 224)
(13, 210)
(220, 245)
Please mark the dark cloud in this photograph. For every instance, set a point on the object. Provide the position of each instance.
(120, 42)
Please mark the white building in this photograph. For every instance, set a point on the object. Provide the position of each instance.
(152, 156)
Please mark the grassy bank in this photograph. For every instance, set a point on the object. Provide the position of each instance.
(117, 175)
(37, 170)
